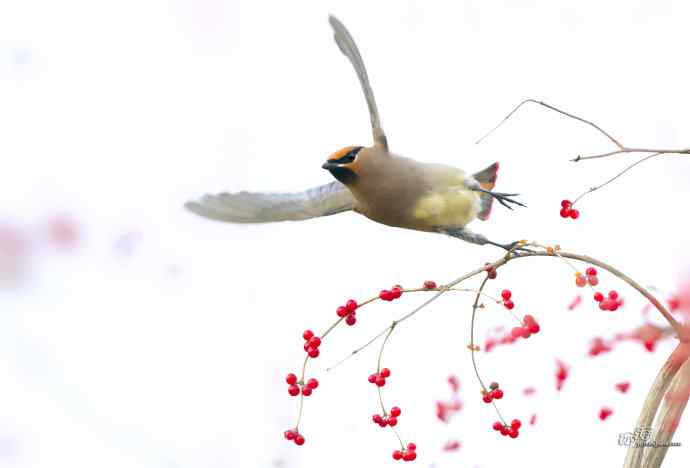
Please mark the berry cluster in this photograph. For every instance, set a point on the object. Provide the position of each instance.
(294, 385)
(348, 311)
(589, 277)
(406, 455)
(379, 378)
(604, 413)
(430, 284)
(394, 293)
(311, 343)
(567, 210)
(612, 302)
(530, 327)
(490, 270)
(623, 387)
(506, 295)
(293, 435)
(495, 393)
(386, 420)
(512, 431)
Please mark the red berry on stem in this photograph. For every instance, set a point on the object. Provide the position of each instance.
(566, 203)
(497, 425)
(306, 391)
(574, 214)
(411, 446)
(395, 411)
(372, 378)
(506, 294)
(299, 440)
(392, 421)
(351, 319)
(313, 352)
(293, 390)
(592, 280)
(509, 304)
(380, 381)
(307, 334)
(429, 284)
(396, 292)
(598, 296)
(515, 424)
(487, 398)
(411, 455)
(613, 295)
(565, 212)
(497, 394)
(580, 281)
(351, 305)
(513, 433)
(591, 271)
(291, 379)
(289, 434)
(341, 311)
(312, 383)
(315, 342)
(385, 372)
(397, 455)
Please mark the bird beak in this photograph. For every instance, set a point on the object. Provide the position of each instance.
(329, 165)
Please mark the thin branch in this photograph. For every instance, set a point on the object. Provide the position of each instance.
(621, 147)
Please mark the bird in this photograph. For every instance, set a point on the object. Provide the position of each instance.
(373, 181)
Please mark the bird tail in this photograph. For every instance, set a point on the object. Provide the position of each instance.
(487, 180)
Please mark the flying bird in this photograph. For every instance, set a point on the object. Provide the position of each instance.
(372, 181)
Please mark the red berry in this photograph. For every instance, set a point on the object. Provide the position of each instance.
(592, 280)
(509, 304)
(533, 328)
(497, 394)
(315, 342)
(591, 271)
(396, 292)
(312, 383)
(515, 424)
(299, 440)
(397, 455)
(351, 319)
(291, 379)
(613, 295)
(429, 284)
(566, 203)
(504, 430)
(293, 390)
(487, 398)
(380, 381)
(598, 296)
(351, 305)
(313, 352)
(383, 423)
(493, 385)
(565, 212)
(306, 391)
(372, 378)
(392, 421)
(497, 425)
(513, 433)
(574, 214)
(411, 446)
(307, 334)
(395, 411)
(289, 434)
(604, 413)
(341, 311)
(506, 294)
(385, 295)
(410, 455)
(580, 281)
(376, 418)
(385, 372)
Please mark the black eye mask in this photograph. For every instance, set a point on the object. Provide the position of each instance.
(349, 157)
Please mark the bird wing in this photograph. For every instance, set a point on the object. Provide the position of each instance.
(267, 207)
(347, 46)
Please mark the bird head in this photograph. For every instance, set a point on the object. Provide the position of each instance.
(344, 164)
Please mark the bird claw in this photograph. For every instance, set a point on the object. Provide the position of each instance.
(505, 198)
(517, 246)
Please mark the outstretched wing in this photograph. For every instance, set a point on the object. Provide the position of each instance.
(268, 207)
(348, 47)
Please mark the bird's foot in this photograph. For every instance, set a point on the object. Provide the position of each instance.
(505, 198)
(513, 247)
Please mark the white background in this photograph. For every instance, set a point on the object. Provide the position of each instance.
(174, 355)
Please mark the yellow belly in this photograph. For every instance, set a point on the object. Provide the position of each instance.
(451, 208)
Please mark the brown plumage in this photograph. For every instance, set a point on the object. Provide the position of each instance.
(387, 188)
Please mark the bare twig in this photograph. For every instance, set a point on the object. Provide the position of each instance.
(621, 147)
